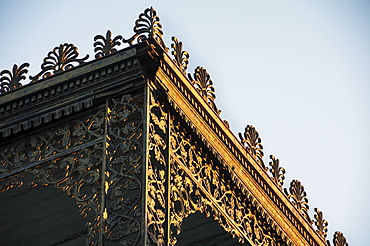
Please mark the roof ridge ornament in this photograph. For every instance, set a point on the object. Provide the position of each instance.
(181, 57)
(9, 80)
(320, 223)
(106, 45)
(298, 197)
(252, 143)
(60, 59)
(147, 23)
(204, 85)
(339, 239)
(277, 171)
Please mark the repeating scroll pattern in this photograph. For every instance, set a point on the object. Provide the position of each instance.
(9, 80)
(77, 174)
(198, 184)
(157, 174)
(18, 154)
(123, 174)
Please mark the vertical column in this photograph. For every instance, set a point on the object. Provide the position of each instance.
(122, 221)
(157, 173)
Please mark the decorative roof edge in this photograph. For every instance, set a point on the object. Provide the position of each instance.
(65, 57)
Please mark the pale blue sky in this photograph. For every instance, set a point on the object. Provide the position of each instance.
(297, 70)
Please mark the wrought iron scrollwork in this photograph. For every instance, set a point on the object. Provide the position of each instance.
(106, 45)
(298, 197)
(181, 56)
(61, 58)
(252, 142)
(147, 26)
(277, 171)
(204, 85)
(320, 223)
(10, 79)
(198, 185)
(123, 175)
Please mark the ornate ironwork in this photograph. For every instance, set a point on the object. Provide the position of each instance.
(148, 24)
(198, 184)
(181, 56)
(73, 134)
(10, 79)
(157, 178)
(339, 239)
(204, 85)
(298, 198)
(106, 45)
(320, 223)
(61, 58)
(277, 171)
(77, 174)
(252, 142)
(123, 175)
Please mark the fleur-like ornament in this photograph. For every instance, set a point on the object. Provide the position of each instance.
(298, 198)
(10, 80)
(321, 224)
(181, 56)
(252, 142)
(148, 24)
(339, 239)
(204, 85)
(106, 45)
(277, 171)
(60, 59)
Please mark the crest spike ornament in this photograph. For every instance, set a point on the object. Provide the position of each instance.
(10, 80)
(181, 57)
(298, 197)
(252, 143)
(106, 45)
(277, 171)
(147, 26)
(320, 223)
(61, 58)
(204, 85)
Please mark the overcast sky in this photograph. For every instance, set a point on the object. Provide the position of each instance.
(296, 70)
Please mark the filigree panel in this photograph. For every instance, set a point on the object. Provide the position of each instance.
(18, 154)
(77, 174)
(157, 174)
(199, 183)
(123, 174)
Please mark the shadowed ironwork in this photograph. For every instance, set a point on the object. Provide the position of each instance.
(181, 56)
(106, 45)
(10, 79)
(61, 58)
